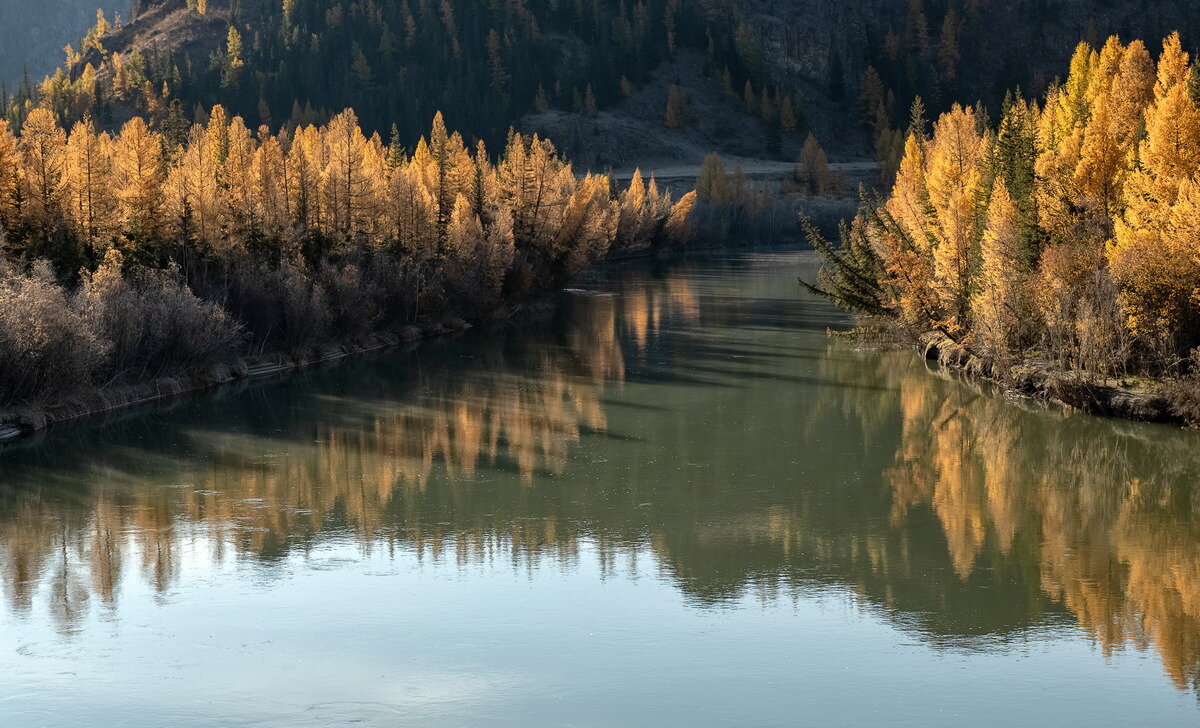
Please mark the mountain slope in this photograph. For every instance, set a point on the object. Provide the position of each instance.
(33, 33)
(599, 73)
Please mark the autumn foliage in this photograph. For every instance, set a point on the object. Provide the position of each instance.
(170, 252)
(1068, 231)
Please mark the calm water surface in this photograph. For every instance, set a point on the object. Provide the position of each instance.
(678, 504)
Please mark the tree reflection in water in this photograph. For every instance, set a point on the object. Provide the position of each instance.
(1105, 513)
(658, 414)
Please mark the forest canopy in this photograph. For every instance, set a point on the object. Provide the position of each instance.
(395, 61)
(130, 255)
(1070, 230)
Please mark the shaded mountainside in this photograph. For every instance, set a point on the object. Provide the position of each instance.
(394, 61)
(33, 33)
(613, 81)
(956, 49)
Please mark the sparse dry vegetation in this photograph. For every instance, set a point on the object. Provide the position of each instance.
(46, 346)
(731, 208)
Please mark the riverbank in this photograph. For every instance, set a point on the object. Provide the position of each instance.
(18, 422)
(1076, 390)
(29, 419)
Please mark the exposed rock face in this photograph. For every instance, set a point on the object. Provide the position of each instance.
(33, 33)
(169, 26)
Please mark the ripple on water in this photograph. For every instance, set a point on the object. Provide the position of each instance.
(64, 650)
(342, 713)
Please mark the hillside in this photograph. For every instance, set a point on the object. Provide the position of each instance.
(37, 42)
(749, 78)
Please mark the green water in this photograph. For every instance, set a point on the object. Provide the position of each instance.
(679, 503)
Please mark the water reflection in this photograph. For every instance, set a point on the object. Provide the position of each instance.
(349, 452)
(1104, 513)
(698, 415)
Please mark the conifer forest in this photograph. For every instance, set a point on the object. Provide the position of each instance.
(697, 363)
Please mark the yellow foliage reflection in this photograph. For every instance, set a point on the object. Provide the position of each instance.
(1110, 507)
(972, 517)
(362, 469)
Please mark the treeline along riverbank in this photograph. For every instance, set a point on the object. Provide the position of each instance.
(143, 263)
(1063, 239)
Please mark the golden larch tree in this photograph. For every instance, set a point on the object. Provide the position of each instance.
(90, 184)
(10, 176)
(139, 174)
(956, 167)
(998, 308)
(347, 182)
(44, 143)
(1155, 253)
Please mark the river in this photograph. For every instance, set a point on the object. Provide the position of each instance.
(677, 503)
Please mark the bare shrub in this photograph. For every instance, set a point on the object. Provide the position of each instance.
(1182, 393)
(155, 325)
(47, 349)
(278, 304)
(353, 300)
(1103, 339)
(1084, 327)
(395, 282)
